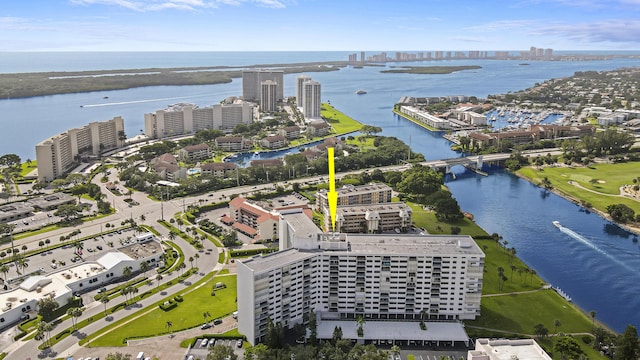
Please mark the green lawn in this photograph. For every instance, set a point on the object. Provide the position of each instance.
(519, 313)
(187, 314)
(365, 145)
(340, 122)
(602, 178)
(427, 220)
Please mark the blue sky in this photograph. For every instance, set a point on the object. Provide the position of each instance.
(317, 25)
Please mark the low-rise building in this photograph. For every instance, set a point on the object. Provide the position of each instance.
(266, 163)
(424, 117)
(501, 349)
(273, 142)
(374, 218)
(195, 152)
(232, 143)
(51, 201)
(167, 168)
(374, 193)
(290, 132)
(221, 169)
(318, 128)
(14, 211)
(62, 284)
(253, 221)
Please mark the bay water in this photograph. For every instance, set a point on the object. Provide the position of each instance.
(600, 269)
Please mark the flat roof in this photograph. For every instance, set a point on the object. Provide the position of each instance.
(300, 223)
(412, 244)
(141, 250)
(381, 208)
(261, 263)
(394, 330)
(504, 349)
(78, 272)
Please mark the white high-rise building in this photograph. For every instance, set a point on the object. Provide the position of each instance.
(58, 154)
(253, 78)
(299, 91)
(311, 99)
(391, 280)
(268, 96)
(186, 118)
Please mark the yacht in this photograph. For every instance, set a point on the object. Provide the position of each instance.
(361, 92)
(556, 223)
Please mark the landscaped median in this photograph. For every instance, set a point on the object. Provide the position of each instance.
(68, 331)
(198, 306)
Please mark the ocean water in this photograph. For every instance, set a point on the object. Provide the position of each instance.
(599, 273)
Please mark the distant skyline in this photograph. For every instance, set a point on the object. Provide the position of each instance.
(318, 25)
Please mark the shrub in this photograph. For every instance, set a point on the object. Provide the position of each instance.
(178, 298)
(168, 305)
(587, 339)
(251, 252)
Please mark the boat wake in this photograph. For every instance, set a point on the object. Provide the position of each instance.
(586, 241)
(144, 101)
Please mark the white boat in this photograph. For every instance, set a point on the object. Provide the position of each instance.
(361, 92)
(556, 223)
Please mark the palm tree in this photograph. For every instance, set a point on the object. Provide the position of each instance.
(126, 272)
(196, 256)
(158, 278)
(182, 267)
(206, 315)
(4, 268)
(104, 299)
(142, 218)
(592, 313)
(191, 261)
(395, 350)
(169, 325)
(21, 264)
(133, 291)
(557, 324)
(144, 267)
(172, 235)
(533, 273)
(75, 313)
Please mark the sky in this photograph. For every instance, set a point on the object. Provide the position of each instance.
(317, 25)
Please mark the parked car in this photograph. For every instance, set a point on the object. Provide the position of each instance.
(217, 322)
(239, 343)
(99, 247)
(205, 326)
(104, 289)
(204, 342)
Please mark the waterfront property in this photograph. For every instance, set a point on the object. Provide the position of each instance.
(401, 278)
(486, 349)
(57, 155)
(185, 118)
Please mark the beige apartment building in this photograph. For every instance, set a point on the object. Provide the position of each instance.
(185, 118)
(57, 155)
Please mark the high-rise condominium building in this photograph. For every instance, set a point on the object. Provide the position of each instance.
(311, 96)
(385, 279)
(253, 78)
(186, 118)
(58, 154)
(299, 89)
(268, 96)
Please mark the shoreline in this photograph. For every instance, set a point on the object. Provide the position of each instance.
(576, 201)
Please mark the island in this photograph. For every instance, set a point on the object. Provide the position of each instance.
(430, 69)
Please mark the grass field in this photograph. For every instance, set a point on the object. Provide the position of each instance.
(427, 220)
(187, 314)
(340, 122)
(604, 180)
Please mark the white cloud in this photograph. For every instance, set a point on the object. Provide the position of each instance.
(502, 25)
(188, 5)
(612, 30)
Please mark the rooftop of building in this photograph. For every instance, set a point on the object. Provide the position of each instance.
(411, 244)
(383, 207)
(353, 189)
(141, 250)
(260, 263)
(51, 200)
(394, 330)
(300, 222)
(504, 349)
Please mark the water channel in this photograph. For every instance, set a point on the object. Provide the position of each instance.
(599, 271)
